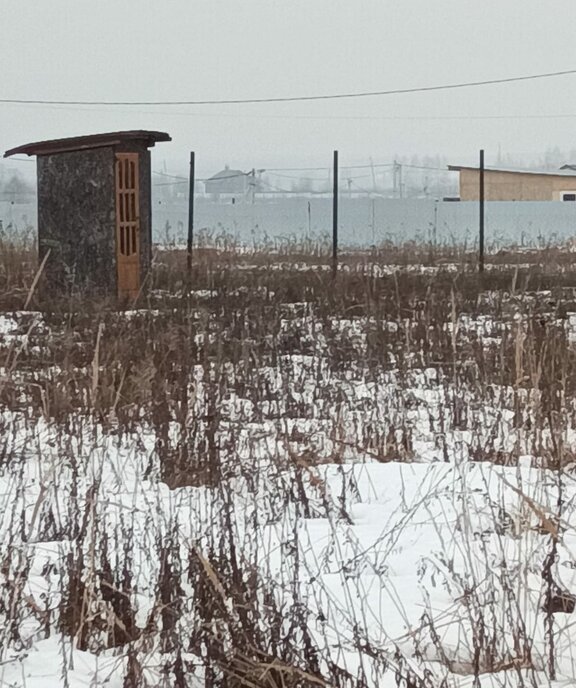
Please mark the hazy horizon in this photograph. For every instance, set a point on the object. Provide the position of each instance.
(75, 49)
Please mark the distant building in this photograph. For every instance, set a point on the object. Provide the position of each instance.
(228, 182)
(502, 184)
(17, 190)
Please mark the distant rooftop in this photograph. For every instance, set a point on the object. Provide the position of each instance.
(77, 143)
(565, 171)
(227, 173)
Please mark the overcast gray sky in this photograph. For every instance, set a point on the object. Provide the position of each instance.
(214, 49)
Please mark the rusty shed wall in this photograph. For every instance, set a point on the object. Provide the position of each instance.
(76, 219)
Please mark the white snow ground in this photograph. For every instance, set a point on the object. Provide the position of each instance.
(438, 562)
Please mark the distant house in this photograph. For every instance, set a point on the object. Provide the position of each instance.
(14, 188)
(228, 182)
(502, 184)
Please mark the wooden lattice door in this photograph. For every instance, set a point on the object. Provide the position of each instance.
(127, 225)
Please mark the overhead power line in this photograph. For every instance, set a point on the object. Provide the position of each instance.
(289, 99)
(184, 180)
(323, 169)
(425, 167)
(170, 176)
(305, 117)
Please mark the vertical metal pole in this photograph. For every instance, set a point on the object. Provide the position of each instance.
(335, 218)
(191, 212)
(253, 185)
(481, 228)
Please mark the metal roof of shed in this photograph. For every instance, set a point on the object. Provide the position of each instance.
(563, 172)
(77, 143)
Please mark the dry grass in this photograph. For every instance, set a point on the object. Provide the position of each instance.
(238, 314)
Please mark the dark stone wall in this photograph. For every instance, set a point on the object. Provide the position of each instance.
(145, 215)
(77, 219)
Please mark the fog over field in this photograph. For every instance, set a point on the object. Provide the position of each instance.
(224, 49)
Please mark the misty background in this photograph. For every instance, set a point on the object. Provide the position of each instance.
(225, 49)
(215, 49)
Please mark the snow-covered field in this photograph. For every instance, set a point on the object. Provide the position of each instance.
(329, 498)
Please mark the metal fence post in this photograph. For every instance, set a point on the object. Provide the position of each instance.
(335, 218)
(481, 228)
(190, 212)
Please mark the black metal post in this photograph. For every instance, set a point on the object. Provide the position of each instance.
(335, 218)
(481, 228)
(191, 212)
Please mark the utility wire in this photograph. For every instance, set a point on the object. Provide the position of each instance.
(277, 189)
(269, 116)
(425, 167)
(297, 169)
(366, 191)
(343, 175)
(288, 99)
(375, 118)
(183, 180)
(170, 176)
(323, 169)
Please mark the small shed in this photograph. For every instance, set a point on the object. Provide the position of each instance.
(505, 184)
(95, 210)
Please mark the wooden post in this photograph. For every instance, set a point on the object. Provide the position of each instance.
(481, 228)
(190, 212)
(335, 218)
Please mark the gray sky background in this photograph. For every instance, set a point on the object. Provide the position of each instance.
(212, 49)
